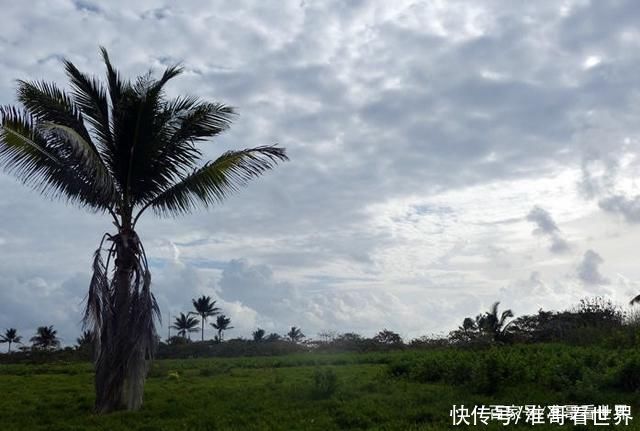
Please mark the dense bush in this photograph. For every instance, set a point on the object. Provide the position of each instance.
(234, 347)
(575, 370)
(627, 375)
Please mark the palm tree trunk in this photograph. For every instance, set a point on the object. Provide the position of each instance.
(202, 336)
(9, 351)
(117, 387)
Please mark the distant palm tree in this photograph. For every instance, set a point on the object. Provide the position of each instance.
(185, 324)
(10, 336)
(45, 338)
(258, 334)
(295, 334)
(86, 339)
(121, 148)
(205, 308)
(494, 323)
(222, 324)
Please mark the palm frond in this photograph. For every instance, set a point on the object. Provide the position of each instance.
(635, 300)
(87, 155)
(45, 163)
(91, 97)
(494, 309)
(505, 315)
(115, 83)
(216, 180)
(198, 120)
(184, 121)
(47, 103)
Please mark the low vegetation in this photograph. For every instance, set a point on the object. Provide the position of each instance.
(394, 390)
(586, 355)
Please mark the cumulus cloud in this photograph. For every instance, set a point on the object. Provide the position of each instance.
(629, 208)
(419, 134)
(547, 227)
(589, 269)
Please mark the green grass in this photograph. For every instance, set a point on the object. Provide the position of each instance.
(411, 390)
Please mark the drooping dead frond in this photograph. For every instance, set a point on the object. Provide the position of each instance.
(121, 313)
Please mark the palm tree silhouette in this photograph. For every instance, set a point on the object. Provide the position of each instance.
(222, 324)
(185, 324)
(85, 339)
(45, 338)
(120, 149)
(295, 334)
(205, 308)
(493, 323)
(10, 336)
(258, 334)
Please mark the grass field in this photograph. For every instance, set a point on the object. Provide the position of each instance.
(403, 390)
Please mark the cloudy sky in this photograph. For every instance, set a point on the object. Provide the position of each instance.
(444, 155)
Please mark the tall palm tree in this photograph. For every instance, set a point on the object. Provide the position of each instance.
(45, 338)
(10, 336)
(221, 325)
(185, 325)
(121, 148)
(205, 308)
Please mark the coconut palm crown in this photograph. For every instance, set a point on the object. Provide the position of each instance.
(121, 148)
(221, 325)
(46, 338)
(205, 308)
(185, 325)
(10, 336)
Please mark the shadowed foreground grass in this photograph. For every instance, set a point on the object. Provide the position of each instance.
(295, 392)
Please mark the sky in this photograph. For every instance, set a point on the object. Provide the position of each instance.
(444, 155)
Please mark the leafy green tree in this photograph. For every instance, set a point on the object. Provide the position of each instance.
(10, 336)
(45, 338)
(258, 334)
(221, 325)
(272, 337)
(388, 338)
(185, 325)
(295, 335)
(205, 308)
(121, 148)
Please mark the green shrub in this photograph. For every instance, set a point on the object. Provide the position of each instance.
(627, 376)
(399, 368)
(325, 383)
(429, 369)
